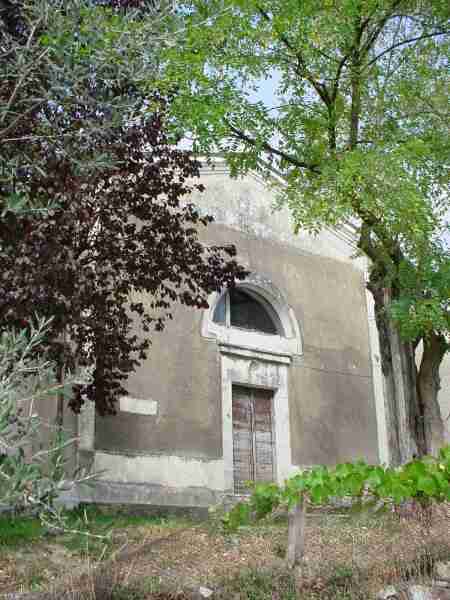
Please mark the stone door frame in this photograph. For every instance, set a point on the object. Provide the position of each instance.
(249, 368)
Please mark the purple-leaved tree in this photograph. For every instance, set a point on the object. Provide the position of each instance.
(122, 228)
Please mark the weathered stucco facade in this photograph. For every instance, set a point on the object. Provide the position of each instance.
(172, 442)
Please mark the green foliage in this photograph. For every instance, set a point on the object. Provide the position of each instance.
(30, 479)
(112, 42)
(425, 302)
(357, 126)
(19, 531)
(426, 479)
(71, 69)
(239, 515)
(84, 530)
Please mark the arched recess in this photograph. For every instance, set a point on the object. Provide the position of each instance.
(254, 356)
(285, 339)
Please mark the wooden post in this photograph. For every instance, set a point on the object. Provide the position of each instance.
(59, 421)
(296, 532)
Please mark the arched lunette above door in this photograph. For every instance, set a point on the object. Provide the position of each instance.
(253, 315)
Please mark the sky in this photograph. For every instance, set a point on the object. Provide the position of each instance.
(266, 91)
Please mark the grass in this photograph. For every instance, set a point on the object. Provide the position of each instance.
(341, 583)
(112, 584)
(333, 582)
(31, 558)
(94, 530)
(87, 521)
(350, 555)
(95, 520)
(259, 584)
(19, 531)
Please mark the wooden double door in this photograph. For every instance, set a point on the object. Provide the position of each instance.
(253, 440)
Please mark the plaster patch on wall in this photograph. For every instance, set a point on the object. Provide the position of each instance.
(250, 208)
(138, 406)
(167, 470)
(444, 395)
(378, 381)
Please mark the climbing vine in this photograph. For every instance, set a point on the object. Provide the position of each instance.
(425, 479)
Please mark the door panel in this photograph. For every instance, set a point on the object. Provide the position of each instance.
(252, 437)
(263, 443)
(242, 440)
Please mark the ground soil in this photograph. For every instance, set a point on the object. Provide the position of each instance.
(194, 554)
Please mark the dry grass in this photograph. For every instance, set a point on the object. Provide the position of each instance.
(30, 562)
(348, 555)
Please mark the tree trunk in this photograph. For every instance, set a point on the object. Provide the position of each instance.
(387, 367)
(404, 427)
(60, 375)
(59, 421)
(414, 422)
(296, 533)
(409, 427)
(428, 386)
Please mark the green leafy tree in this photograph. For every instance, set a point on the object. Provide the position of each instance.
(360, 136)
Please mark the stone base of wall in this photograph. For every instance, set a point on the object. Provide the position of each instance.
(194, 513)
(149, 496)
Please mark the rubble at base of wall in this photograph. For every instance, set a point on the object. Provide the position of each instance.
(439, 590)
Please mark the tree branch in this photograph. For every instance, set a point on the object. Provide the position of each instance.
(271, 150)
(345, 58)
(302, 69)
(408, 41)
(365, 243)
(21, 116)
(337, 78)
(374, 35)
(20, 82)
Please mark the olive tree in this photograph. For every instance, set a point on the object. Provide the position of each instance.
(31, 478)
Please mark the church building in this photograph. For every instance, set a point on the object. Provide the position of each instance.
(279, 373)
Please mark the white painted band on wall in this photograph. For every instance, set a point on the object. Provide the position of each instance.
(171, 471)
(86, 426)
(254, 355)
(378, 380)
(138, 406)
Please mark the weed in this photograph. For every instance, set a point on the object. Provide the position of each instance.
(258, 584)
(92, 530)
(136, 591)
(35, 579)
(110, 582)
(103, 520)
(279, 549)
(19, 531)
(422, 565)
